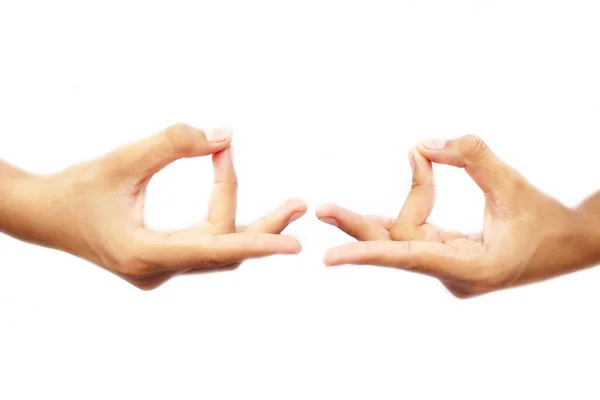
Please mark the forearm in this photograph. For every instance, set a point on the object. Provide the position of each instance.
(24, 204)
(569, 244)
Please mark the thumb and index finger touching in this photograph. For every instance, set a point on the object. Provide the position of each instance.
(188, 248)
(150, 155)
(142, 159)
(147, 156)
(492, 175)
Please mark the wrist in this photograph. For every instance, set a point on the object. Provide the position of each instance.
(568, 241)
(32, 209)
(20, 204)
(578, 244)
(588, 234)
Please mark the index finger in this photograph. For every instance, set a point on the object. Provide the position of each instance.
(419, 202)
(223, 203)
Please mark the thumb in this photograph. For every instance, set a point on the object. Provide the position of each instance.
(150, 155)
(470, 152)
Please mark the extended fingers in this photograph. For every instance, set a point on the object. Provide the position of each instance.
(431, 258)
(188, 249)
(277, 220)
(355, 225)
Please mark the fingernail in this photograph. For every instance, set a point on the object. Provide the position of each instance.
(219, 134)
(330, 221)
(434, 144)
(411, 160)
(295, 217)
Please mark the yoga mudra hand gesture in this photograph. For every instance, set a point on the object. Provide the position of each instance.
(527, 236)
(96, 211)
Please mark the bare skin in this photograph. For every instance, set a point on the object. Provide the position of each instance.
(95, 211)
(527, 236)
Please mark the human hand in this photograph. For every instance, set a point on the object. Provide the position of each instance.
(96, 211)
(527, 236)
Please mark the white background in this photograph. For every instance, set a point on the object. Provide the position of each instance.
(325, 98)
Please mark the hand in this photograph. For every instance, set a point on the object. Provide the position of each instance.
(96, 211)
(527, 236)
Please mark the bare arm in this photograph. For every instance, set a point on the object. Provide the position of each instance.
(23, 200)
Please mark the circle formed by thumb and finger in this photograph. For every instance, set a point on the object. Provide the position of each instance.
(490, 173)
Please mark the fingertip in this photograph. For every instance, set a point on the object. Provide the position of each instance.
(330, 221)
(298, 249)
(295, 216)
(296, 208)
(419, 157)
(432, 144)
(325, 213)
(414, 152)
(219, 134)
(333, 257)
(297, 205)
(290, 245)
(328, 261)
(217, 148)
(219, 139)
(326, 210)
(411, 161)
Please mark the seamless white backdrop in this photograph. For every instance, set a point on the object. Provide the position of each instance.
(325, 98)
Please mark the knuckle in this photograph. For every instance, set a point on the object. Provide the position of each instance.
(518, 183)
(182, 138)
(474, 148)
